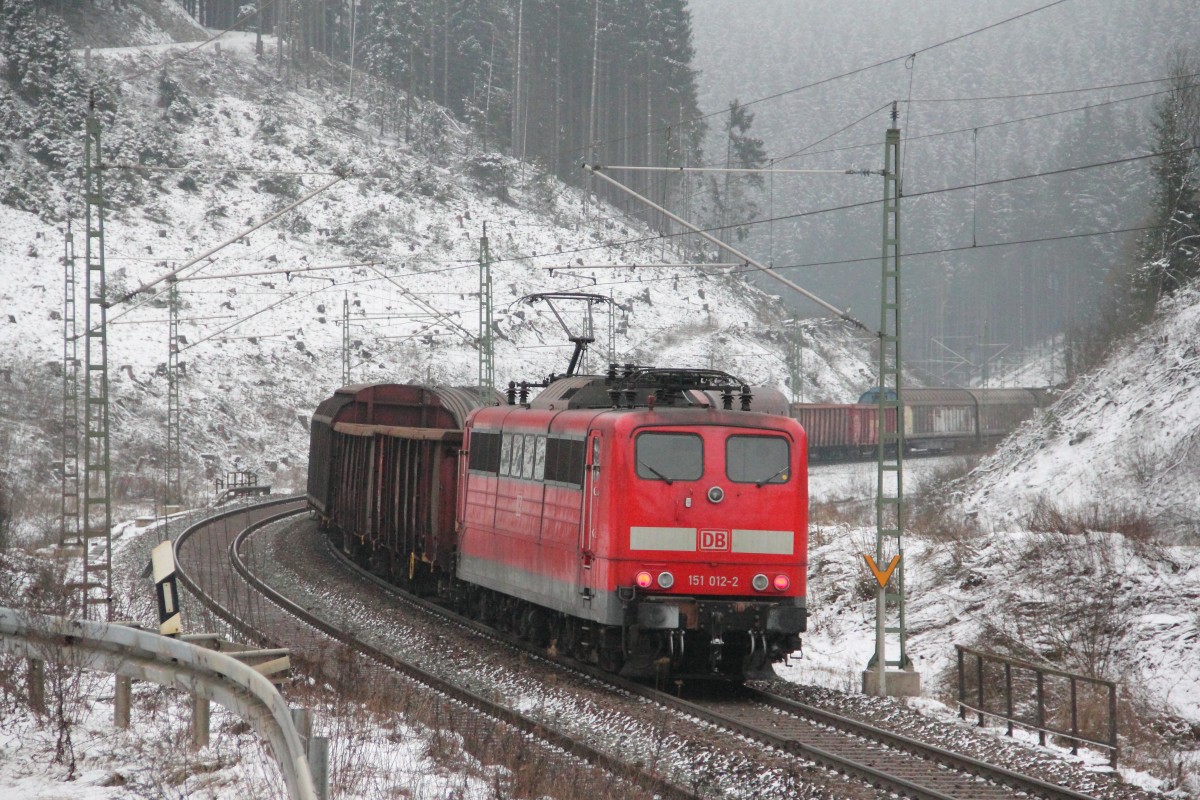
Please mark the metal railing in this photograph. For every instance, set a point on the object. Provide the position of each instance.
(1046, 706)
(142, 655)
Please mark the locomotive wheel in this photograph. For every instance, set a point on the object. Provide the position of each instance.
(484, 609)
(470, 604)
(612, 656)
(568, 638)
(539, 627)
(757, 664)
(508, 619)
(574, 641)
(522, 622)
(535, 627)
(732, 655)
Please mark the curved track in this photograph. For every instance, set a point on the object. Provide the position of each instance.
(866, 753)
(878, 757)
(204, 553)
(897, 763)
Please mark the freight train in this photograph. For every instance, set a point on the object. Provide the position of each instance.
(652, 521)
(935, 421)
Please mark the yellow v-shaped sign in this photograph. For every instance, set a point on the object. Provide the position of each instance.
(882, 575)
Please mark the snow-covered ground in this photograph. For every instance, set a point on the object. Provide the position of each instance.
(1119, 607)
(1116, 455)
(1123, 439)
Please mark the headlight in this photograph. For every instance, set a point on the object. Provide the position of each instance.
(760, 582)
(666, 580)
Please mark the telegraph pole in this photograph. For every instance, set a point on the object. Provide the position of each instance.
(97, 497)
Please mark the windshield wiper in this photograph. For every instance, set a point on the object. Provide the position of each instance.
(779, 472)
(656, 472)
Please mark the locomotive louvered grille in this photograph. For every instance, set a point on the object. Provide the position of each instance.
(564, 461)
(485, 452)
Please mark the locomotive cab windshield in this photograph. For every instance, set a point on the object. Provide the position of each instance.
(669, 456)
(757, 459)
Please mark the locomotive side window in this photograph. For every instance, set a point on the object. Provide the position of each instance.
(505, 453)
(539, 459)
(757, 459)
(518, 454)
(572, 460)
(485, 452)
(669, 456)
(527, 462)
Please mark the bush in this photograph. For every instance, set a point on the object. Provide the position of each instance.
(5, 515)
(932, 510)
(492, 173)
(1133, 524)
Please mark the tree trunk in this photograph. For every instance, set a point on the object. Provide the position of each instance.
(516, 90)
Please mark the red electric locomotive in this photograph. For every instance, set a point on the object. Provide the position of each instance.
(639, 520)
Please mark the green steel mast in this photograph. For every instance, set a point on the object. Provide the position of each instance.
(97, 498)
(487, 353)
(890, 640)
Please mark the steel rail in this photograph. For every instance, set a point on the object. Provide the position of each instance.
(207, 600)
(659, 786)
(956, 761)
(824, 757)
(819, 756)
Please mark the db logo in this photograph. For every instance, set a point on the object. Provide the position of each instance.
(714, 540)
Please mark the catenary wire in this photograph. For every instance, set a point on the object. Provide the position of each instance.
(845, 207)
(660, 129)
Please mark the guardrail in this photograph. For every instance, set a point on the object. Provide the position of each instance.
(1040, 701)
(142, 655)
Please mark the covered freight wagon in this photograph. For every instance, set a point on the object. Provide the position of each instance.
(383, 470)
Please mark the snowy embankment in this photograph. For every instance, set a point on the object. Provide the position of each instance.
(1075, 541)
(1123, 439)
(1109, 605)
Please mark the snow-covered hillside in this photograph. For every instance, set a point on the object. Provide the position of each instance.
(1122, 442)
(261, 351)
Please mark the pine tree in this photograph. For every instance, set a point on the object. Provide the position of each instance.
(733, 195)
(41, 70)
(1172, 253)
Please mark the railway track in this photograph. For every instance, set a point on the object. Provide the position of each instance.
(887, 760)
(803, 733)
(210, 567)
(878, 757)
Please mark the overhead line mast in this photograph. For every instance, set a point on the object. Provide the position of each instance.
(889, 498)
(346, 339)
(487, 351)
(97, 494)
(174, 489)
(69, 533)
